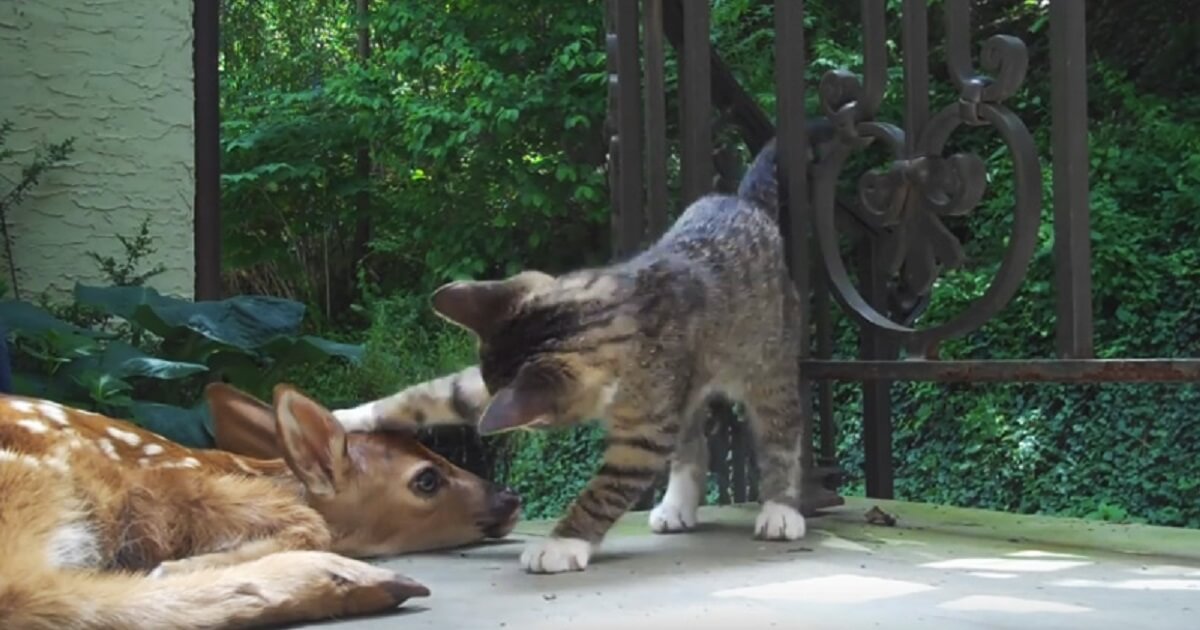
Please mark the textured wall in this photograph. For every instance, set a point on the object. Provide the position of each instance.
(116, 75)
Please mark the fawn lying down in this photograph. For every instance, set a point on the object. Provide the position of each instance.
(104, 525)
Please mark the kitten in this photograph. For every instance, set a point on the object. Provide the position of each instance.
(708, 309)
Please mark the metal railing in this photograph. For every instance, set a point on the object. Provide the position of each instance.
(901, 206)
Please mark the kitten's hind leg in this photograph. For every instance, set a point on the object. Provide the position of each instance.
(685, 486)
(773, 406)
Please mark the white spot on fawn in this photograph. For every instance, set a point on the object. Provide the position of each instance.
(11, 456)
(187, 462)
(74, 545)
(33, 426)
(21, 406)
(143, 462)
(53, 411)
(58, 459)
(128, 437)
(153, 449)
(107, 446)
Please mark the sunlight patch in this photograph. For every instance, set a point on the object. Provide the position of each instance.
(1133, 585)
(1032, 553)
(833, 589)
(992, 576)
(834, 541)
(1016, 605)
(1007, 565)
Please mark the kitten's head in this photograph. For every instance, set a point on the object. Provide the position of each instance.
(546, 345)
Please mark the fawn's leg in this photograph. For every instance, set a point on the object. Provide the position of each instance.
(231, 520)
(283, 588)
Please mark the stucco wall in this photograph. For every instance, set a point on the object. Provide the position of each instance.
(117, 76)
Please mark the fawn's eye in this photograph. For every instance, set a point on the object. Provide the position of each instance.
(427, 482)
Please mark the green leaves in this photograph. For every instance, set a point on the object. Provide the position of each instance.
(151, 370)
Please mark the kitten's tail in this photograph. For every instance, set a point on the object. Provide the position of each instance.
(760, 184)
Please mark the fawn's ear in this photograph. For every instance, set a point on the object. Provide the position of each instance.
(312, 441)
(242, 424)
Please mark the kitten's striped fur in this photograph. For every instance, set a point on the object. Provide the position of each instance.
(708, 309)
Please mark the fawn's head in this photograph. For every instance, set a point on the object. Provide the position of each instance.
(381, 493)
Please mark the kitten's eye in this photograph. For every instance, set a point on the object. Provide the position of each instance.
(427, 482)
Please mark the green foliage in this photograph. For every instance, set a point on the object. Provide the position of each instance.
(483, 120)
(403, 344)
(482, 144)
(150, 366)
(550, 468)
(45, 157)
(125, 273)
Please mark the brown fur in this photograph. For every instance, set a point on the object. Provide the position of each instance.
(88, 504)
(707, 310)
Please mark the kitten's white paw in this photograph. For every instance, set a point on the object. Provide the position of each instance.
(361, 418)
(671, 517)
(777, 521)
(556, 555)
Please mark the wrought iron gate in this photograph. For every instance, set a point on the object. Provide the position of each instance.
(901, 205)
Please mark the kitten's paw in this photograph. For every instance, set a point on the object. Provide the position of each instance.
(777, 521)
(556, 555)
(670, 518)
(361, 418)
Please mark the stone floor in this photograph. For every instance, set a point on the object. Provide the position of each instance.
(936, 568)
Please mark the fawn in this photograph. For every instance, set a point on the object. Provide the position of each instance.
(105, 525)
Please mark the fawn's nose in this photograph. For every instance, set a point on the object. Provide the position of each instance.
(504, 508)
(505, 502)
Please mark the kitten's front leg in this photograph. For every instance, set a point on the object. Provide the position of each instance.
(454, 399)
(632, 459)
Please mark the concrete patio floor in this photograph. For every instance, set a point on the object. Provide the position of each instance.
(937, 568)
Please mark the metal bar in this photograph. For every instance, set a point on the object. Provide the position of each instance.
(790, 63)
(611, 114)
(822, 305)
(695, 78)
(737, 451)
(1072, 225)
(727, 93)
(877, 393)
(656, 120)
(718, 454)
(915, 42)
(206, 228)
(362, 166)
(629, 130)
(1035, 371)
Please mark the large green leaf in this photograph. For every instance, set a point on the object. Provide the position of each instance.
(25, 318)
(245, 322)
(126, 361)
(189, 427)
(36, 385)
(122, 302)
(289, 351)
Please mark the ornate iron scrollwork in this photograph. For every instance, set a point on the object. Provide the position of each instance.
(905, 202)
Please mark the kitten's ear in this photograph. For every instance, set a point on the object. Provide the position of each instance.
(476, 306)
(526, 401)
(479, 306)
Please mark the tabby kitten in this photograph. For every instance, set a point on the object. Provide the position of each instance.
(709, 309)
